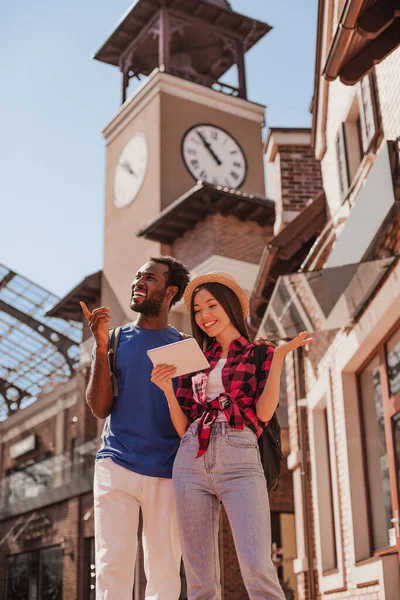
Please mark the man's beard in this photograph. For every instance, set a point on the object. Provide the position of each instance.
(151, 307)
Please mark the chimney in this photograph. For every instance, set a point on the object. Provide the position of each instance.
(292, 170)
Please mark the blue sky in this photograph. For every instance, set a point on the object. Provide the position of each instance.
(55, 100)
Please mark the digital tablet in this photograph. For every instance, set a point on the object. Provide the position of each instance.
(185, 355)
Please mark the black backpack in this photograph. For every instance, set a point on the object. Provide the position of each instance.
(269, 441)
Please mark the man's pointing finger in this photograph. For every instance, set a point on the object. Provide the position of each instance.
(85, 310)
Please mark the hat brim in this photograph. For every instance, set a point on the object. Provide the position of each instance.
(223, 279)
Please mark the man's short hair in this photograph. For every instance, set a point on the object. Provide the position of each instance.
(179, 274)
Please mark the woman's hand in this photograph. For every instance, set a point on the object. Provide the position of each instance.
(162, 377)
(300, 340)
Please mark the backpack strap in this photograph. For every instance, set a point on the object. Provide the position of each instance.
(260, 353)
(113, 341)
(269, 441)
(184, 336)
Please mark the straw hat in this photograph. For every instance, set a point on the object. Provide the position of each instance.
(217, 277)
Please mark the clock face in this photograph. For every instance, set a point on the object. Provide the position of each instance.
(130, 170)
(213, 155)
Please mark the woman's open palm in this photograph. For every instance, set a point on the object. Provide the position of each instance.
(300, 340)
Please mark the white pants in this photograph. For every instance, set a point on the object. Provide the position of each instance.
(118, 496)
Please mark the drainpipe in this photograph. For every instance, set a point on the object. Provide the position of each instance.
(305, 487)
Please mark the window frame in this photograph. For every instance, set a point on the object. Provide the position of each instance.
(364, 105)
(391, 406)
(320, 400)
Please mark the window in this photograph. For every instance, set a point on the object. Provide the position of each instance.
(356, 134)
(323, 466)
(375, 452)
(35, 575)
(393, 363)
(393, 368)
(396, 437)
(284, 550)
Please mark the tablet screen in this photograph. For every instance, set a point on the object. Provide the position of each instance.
(185, 355)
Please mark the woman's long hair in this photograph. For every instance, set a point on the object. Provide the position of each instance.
(231, 305)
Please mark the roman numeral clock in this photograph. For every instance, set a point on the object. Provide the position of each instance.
(184, 144)
(213, 155)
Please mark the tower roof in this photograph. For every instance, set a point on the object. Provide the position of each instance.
(221, 3)
(202, 35)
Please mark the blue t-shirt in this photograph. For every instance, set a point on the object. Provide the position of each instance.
(140, 435)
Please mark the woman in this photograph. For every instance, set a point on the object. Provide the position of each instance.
(220, 413)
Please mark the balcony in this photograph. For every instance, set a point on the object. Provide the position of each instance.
(51, 480)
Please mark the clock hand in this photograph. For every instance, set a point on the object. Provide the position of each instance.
(125, 165)
(208, 146)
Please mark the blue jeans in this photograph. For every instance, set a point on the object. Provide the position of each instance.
(229, 472)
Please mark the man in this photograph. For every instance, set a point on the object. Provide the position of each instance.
(134, 464)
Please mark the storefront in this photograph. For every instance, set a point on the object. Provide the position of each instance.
(36, 575)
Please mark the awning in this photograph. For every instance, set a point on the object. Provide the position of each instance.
(323, 300)
(202, 200)
(88, 290)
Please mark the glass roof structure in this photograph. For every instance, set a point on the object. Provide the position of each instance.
(36, 352)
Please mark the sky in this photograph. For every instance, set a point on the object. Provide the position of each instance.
(55, 100)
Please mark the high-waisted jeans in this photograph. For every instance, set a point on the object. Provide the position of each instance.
(229, 472)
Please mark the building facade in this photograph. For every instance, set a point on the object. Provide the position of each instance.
(343, 391)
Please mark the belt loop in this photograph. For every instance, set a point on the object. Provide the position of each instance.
(223, 426)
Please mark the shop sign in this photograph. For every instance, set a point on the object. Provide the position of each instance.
(23, 446)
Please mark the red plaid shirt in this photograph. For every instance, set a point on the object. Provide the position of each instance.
(242, 390)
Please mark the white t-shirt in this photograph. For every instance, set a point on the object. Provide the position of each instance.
(215, 387)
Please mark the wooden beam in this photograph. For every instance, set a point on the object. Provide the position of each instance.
(143, 33)
(210, 25)
(241, 70)
(125, 83)
(163, 40)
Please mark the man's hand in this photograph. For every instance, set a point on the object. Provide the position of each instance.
(98, 323)
(162, 375)
(264, 342)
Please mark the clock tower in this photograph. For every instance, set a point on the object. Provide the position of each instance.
(184, 165)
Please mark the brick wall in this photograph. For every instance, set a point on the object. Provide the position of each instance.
(321, 361)
(226, 236)
(300, 176)
(388, 80)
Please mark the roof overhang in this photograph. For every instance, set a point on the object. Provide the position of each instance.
(202, 200)
(367, 32)
(88, 290)
(285, 252)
